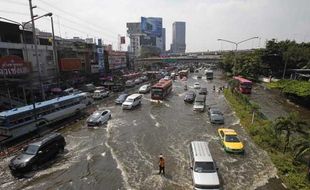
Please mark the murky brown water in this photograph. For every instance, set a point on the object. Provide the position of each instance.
(123, 154)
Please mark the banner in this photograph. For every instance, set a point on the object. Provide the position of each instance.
(151, 26)
(100, 53)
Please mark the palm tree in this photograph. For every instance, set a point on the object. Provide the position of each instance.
(301, 147)
(290, 124)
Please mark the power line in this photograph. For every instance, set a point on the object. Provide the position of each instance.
(13, 12)
(75, 23)
(17, 3)
(80, 19)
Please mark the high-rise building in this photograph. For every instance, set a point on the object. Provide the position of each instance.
(147, 34)
(178, 38)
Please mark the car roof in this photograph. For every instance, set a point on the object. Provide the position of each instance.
(228, 131)
(46, 139)
(201, 151)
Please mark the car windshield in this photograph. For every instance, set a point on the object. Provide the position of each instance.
(217, 112)
(31, 149)
(96, 115)
(123, 96)
(129, 100)
(156, 91)
(204, 167)
(231, 138)
(199, 103)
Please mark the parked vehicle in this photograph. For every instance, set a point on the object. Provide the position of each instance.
(100, 88)
(196, 85)
(216, 116)
(88, 88)
(203, 167)
(199, 76)
(132, 101)
(144, 78)
(167, 78)
(138, 81)
(130, 83)
(203, 91)
(145, 88)
(190, 97)
(99, 94)
(121, 98)
(69, 91)
(99, 117)
(118, 88)
(37, 153)
(199, 104)
(230, 140)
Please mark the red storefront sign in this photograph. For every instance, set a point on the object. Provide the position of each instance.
(70, 64)
(13, 65)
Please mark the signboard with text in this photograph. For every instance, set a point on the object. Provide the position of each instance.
(13, 65)
(100, 54)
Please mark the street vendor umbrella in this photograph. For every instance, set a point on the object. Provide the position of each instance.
(56, 90)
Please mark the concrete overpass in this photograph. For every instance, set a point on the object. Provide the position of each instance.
(204, 59)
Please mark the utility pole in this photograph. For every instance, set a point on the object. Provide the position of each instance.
(55, 55)
(36, 47)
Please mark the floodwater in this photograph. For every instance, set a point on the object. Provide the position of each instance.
(124, 153)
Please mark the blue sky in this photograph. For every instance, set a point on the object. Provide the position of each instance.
(206, 20)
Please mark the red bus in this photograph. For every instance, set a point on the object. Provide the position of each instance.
(161, 89)
(245, 85)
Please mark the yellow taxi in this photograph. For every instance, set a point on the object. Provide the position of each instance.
(230, 140)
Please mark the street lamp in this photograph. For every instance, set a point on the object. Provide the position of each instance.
(236, 44)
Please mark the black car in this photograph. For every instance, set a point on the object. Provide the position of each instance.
(203, 91)
(121, 98)
(37, 153)
(189, 97)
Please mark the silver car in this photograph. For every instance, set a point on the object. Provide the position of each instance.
(216, 116)
(99, 117)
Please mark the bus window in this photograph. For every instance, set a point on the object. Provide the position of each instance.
(2, 122)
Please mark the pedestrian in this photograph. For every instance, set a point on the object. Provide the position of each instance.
(213, 88)
(161, 164)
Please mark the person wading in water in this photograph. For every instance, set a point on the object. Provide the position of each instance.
(161, 164)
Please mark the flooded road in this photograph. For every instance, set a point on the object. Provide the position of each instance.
(124, 153)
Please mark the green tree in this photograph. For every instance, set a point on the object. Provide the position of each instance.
(290, 125)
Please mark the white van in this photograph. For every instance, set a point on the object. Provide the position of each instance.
(204, 169)
(132, 101)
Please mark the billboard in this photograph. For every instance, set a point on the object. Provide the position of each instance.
(100, 54)
(152, 26)
(70, 64)
(13, 65)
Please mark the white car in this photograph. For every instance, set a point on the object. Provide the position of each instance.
(98, 94)
(130, 83)
(167, 78)
(197, 85)
(145, 88)
(99, 117)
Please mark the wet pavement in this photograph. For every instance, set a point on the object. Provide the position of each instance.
(124, 153)
(273, 104)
